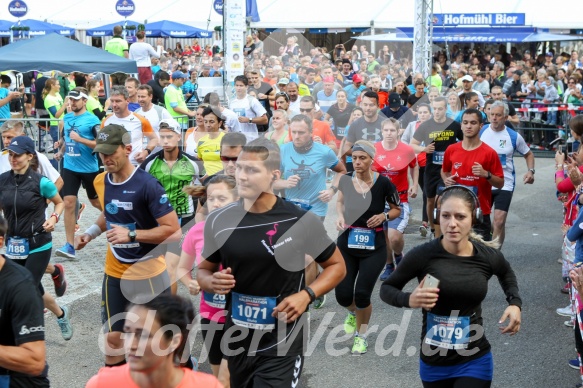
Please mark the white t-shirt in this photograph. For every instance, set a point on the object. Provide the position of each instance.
(250, 107)
(45, 166)
(501, 142)
(231, 120)
(294, 107)
(135, 124)
(141, 52)
(154, 118)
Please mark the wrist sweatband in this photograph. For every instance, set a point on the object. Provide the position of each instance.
(94, 231)
(560, 174)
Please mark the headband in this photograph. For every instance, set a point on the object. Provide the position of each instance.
(364, 148)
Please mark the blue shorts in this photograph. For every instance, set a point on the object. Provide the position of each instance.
(481, 368)
(401, 222)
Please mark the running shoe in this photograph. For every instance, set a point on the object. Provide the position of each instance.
(65, 324)
(81, 208)
(569, 323)
(423, 230)
(350, 324)
(66, 251)
(60, 281)
(389, 268)
(574, 363)
(565, 311)
(320, 302)
(360, 346)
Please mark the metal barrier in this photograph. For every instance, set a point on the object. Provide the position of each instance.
(38, 130)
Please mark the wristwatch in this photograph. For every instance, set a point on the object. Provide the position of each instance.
(132, 235)
(334, 188)
(489, 176)
(386, 216)
(311, 293)
(531, 170)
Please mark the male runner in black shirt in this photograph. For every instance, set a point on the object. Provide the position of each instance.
(261, 242)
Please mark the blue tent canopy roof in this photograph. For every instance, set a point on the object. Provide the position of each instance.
(107, 30)
(55, 52)
(36, 27)
(175, 30)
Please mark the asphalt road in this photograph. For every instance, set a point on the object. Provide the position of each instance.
(536, 357)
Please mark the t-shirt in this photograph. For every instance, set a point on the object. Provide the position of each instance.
(183, 172)
(325, 101)
(353, 93)
(459, 163)
(174, 98)
(394, 164)
(158, 92)
(133, 106)
(358, 209)
(4, 109)
(192, 245)
(266, 253)
(311, 168)
(92, 104)
(55, 101)
(79, 157)
(21, 318)
(116, 45)
(119, 376)
(250, 107)
(320, 129)
(142, 52)
(154, 115)
(434, 80)
(341, 118)
(136, 204)
(462, 288)
(209, 151)
(443, 134)
(501, 142)
(364, 130)
(264, 88)
(413, 99)
(45, 166)
(135, 124)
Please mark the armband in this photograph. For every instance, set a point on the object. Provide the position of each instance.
(560, 174)
(94, 231)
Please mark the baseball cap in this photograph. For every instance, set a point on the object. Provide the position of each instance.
(21, 145)
(178, 75)
(394, 100)
(170, 124)
(283, 81)
(549, 54)
(110, 138)
(518, 72)
(328, 80)
(76, 95)
(468, 78)
(527, 51)
(356, 78)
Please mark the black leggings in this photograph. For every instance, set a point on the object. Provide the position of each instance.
(37, 263)
(421, 182)
(458, 382)
(361, 276)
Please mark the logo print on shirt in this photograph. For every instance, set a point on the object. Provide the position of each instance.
(457, 165)
(502, 143)
(111, 208)
(381, 157)
(371, 134)
(272, 233)
(163, 199)
(303, 170)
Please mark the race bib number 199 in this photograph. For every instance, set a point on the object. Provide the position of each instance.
(253, 312)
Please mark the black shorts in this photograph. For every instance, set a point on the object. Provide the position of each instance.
(117, 294)
(265, 371)
(501, 199)
(213, 344)
(432, 182)
(176, 247)
(72, 182)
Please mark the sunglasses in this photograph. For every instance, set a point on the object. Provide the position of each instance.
(307, 110)
(281, 94)
(228, 158)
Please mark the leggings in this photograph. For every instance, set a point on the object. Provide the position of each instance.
(361, 276)
(458, 382)
(421, 182)
(37, 263)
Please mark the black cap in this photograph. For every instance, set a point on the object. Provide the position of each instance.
(394, 100)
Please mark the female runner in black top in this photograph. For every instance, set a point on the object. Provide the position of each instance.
(455, 352)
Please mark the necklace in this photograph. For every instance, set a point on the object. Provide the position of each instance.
(364, 191)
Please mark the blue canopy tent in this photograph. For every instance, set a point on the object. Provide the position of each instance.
(166, 28)
(474, 35)
(36, 28)
(62, 54)
(107, 30)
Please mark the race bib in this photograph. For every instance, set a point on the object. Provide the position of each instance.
(129, 227)
(303, 204)
(72, 148)
(448, 332)
(502, 159)
(438, 157)
(239, 111)
(4, 381)
(17, 248)
(214, 300)
(253, 312)
(341, 131)
(361, 238)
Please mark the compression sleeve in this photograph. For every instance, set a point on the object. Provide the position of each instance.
(53, 109)
(410, 268)
(507, 279)
(47, 188)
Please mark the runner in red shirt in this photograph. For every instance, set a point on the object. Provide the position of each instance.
(476, 165)
(394, 159)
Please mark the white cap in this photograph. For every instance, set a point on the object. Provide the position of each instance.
(467, 77)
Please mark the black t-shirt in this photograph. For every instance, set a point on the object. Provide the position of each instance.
(21, 310)
(158, 91)
(462, 288)
(266, 253)
(39, 85)
(341, 118)
(413, 99)
(444, 134)
(265, 88)
(358, 209)
(27, 78)
(364, 130)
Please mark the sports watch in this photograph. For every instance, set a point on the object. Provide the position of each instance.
(132, 235)
(531, 170)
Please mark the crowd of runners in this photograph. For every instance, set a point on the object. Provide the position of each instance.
(229, 198)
